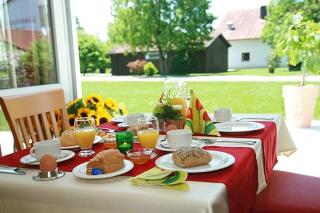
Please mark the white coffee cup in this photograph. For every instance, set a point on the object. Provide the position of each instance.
(223, 114)
(41, 148)
(132, 119)
(179, 138)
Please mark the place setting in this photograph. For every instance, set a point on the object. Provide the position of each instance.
(176, 138)
(226, 122)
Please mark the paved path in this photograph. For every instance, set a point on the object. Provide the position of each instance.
(104, 77)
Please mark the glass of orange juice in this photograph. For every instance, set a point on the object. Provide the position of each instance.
(148, 133)
(85, 132)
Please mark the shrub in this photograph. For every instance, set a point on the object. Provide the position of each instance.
(150, 69)
(136, 67)
(273, 62)
(183, 62)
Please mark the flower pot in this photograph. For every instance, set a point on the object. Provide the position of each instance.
(300, 102)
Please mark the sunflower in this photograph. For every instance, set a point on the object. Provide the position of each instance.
(111, 104)
(122, 109)
(71, 118)
(85, 112)
(103, 118)
(74, 105)
(94, 100)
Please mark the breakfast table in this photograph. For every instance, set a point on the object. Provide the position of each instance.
(232, 189)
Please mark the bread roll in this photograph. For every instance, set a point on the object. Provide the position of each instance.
(108, 161)
(191, 156)
(68, 139)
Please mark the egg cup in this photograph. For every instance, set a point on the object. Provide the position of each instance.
(48, 175)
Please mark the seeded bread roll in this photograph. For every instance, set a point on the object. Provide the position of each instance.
(191, 156)
(108, 161)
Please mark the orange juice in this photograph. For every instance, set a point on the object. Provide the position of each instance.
(85, 137)
(180, 101)
(148, 138)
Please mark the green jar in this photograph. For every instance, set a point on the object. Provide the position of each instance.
(124, 141)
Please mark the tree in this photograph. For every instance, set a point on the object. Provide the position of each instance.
(301, 43)
(164, 25)
(277, 10)
(92, 53)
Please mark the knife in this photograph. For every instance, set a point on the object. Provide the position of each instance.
(11, 170)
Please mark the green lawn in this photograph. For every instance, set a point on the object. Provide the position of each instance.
(242, 97)
(260, 72)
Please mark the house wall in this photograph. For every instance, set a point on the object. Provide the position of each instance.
(217, 57)
(119, 63)
(259, 53)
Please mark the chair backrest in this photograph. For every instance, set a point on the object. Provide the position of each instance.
(33, 117)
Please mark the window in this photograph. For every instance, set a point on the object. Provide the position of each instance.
(26, 44)
(245, 57)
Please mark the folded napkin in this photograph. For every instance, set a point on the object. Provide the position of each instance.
(198, 120)
(111, 126)
(162, 178)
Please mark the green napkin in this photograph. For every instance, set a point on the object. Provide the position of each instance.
(162, 178)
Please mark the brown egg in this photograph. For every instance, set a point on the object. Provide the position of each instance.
(171, 127)
(48, 163)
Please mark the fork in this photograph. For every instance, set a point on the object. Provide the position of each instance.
(256, 118)
(208, 141)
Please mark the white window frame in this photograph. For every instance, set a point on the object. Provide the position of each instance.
(66, 53)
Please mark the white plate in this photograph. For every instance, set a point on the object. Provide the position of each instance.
(80, 171)
(234, 127)
(234, 118)
(119, 119)
(30, 160)
(220, 160)
(97, 139)
(162, 145)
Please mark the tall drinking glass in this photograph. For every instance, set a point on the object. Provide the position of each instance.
(85, 132)
(148, 133)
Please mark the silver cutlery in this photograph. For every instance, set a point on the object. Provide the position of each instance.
(11, 170)
(256, 118)
(209, 141)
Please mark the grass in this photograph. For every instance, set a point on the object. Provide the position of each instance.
(242, 97)
(259, 72)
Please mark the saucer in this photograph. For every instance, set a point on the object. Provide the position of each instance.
(163, 145)
(233, 118)
(30, 160)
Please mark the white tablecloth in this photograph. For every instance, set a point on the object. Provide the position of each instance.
(285, 144)
(70, 194)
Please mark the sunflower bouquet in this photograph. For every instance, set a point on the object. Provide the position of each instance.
(94, 106)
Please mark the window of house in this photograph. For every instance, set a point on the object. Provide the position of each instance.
(26, 44)
(245, 57)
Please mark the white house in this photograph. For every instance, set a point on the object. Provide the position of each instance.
(242, 29)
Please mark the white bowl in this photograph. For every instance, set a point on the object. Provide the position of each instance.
(179, 138)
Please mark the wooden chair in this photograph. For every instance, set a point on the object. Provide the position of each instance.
(32, 117)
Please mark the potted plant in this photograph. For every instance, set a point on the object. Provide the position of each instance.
(301, 43)
(168, 114)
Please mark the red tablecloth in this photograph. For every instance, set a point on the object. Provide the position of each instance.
(241, 179)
